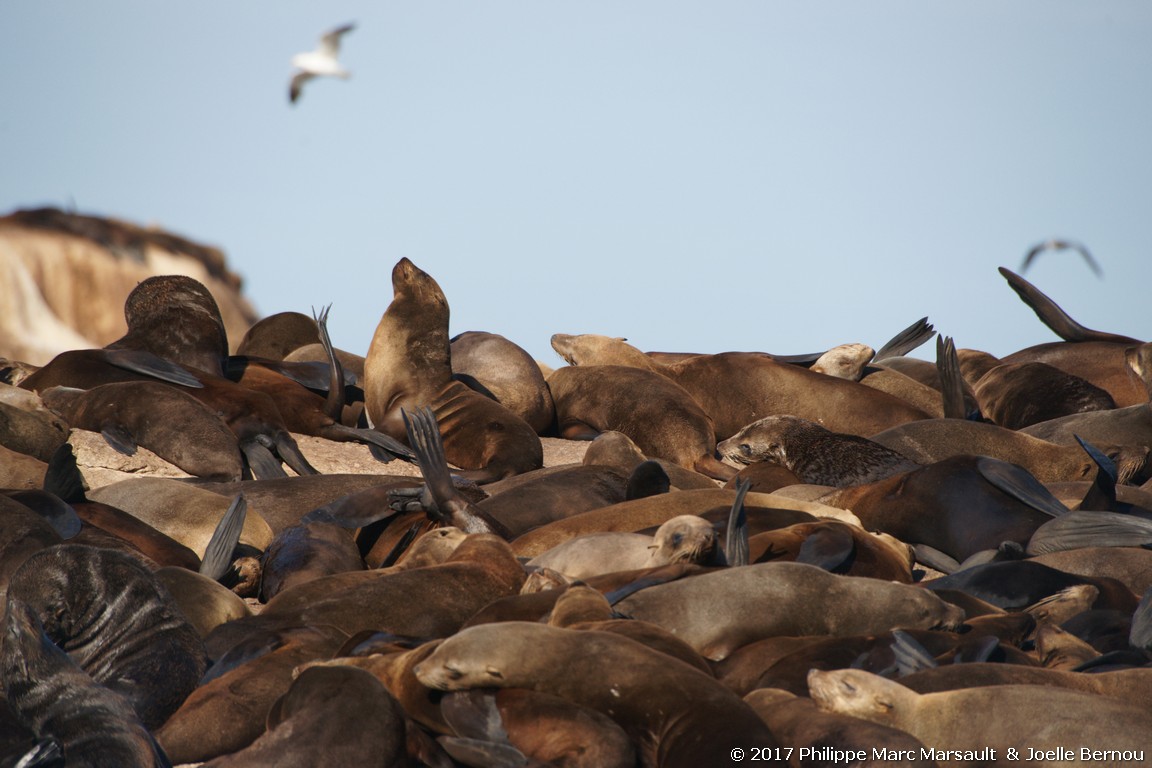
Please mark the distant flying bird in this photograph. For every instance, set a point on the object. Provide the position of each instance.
(1056, 244)
(320, 62)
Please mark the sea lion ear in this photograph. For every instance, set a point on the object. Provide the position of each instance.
(494, 672)
(621, 338)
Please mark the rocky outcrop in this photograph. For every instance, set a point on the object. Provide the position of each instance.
(64, 278)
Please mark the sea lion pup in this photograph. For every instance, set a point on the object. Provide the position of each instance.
(716, 612)
(500, 369)
(685, 538)
(816, 455)
(734, 388)
(799, 723)
(1016, 395)
(172, 424)
(408, 366)
(321, 720)
(119, 624)
(676, 715)
(1021, 717)
(661, 417)
(93, 725)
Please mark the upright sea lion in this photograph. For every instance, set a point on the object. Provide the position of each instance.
(1021, 717)
(118, 623)
(93, 725)
(813, 453)
(676, 715)
(715, 612)
(408, 366)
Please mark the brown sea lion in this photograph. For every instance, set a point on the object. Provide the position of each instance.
(304, 552)
(616, 449)
(408, 366)
(1016, 395)
(737, 388)
(677, 716)
(27, 426)
(715, 613)
(974, 719)
(498, 368)
(813, 453)
(276, 336)
(1133, 686)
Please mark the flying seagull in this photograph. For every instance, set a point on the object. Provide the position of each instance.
(320, 62)
(1055, 244)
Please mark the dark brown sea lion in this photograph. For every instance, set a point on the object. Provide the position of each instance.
(973, 719)
(715, 613)
(657, 414)
(813, 453)
(117, 622)
(408, 366)
(497, 367)
(737, 388)
(167, 421)
(1016, 395)
(676, 715)
(322, 720)
(275, 336)
(23, 533)
(304, 552)
(828, 736)
(836, 547)
(1130, 565)
(53, 697)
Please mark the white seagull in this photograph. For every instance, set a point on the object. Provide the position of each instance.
(320, 62)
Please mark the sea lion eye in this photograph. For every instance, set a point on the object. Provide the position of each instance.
(677, 538)
(745, 449)
(453, 673)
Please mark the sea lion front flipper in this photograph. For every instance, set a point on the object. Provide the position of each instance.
(736, 545)
(289, 452)
(977, 652)
(482, 754)
(1020, 484)
(218, 554)
(54, 510)
(148, 364)
(1090, 529)
(951, 380)
(119, 438)
(1056, 318)
(935, 559)
(384, 448)
(829, 548)
(1101, 497)
(907, 340)
(473, 714)
(63, 477)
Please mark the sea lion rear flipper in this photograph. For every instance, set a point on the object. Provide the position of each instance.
(1090, 529)
(736, 544)
(383, 447)
(121, 440)
(218, 554)
(262, 463)
(289, 452)
(1140, 635)
(935, 559)
(1020, 484)
(829, 548)
(482, 754)
(148, 364)
(334, 402)
(1056, 318)
(951, 380)
(1102, 495)
(907, 340)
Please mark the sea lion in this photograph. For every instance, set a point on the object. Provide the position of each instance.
(838, 548)
(661, 417)
(92, 725)
(172, 424)
(498, 368)
(813, 453)
(616, 449)
(1015, 585)
(304, 552)
(714, 612)
(845, 361)
(1016, 395)
(205, 602)
(737, 388)
(1133, 686)
(1130, 565)
(27, 426)
(408, 366)
(276, 336)
(974, 719)
(117, 622)
(320, 720)
(676, 715)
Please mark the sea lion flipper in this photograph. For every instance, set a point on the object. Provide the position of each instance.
(52, 509)
(736, 545)
(951, 380)
(1090, 529)
(44, 753)
(334, 402)
(384, 448)
(63, 477)
(828, 548)
(909, 655)
(289, 452)
(1140, 635)
(473, 714)
(401, 546)
(935, 559)
(262, 463)
(119, 438)
(218, 554)
(148, 364)
(1054, 317)
(1102, 495)
(1020, 484)
(907, 340)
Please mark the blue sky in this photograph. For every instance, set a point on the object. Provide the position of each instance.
(775, 176)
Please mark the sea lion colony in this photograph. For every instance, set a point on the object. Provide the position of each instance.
(743, 526)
